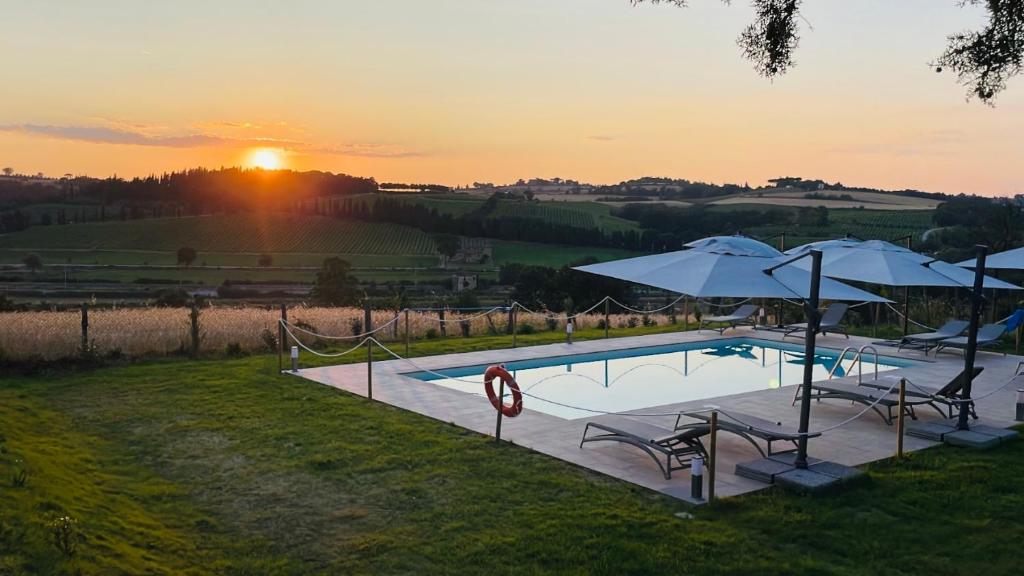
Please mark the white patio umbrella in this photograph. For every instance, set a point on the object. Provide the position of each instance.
(726, 267)
(874, 262)
(1008, 260)
(886, 264)
(736, 266)
(965, 276)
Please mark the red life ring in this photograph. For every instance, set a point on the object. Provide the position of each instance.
(499, 371)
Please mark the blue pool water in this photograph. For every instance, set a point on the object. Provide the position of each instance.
(637, 378)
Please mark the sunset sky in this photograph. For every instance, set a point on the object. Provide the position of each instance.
(453, 91)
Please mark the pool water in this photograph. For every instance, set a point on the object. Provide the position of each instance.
(638, 378)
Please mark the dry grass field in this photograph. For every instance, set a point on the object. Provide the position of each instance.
(135, 332)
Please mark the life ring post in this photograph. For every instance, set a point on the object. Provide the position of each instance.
(501, 398)
(499, 373)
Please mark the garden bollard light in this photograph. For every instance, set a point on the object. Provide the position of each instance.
(295, 358)
(697, 478)
(1020, 405)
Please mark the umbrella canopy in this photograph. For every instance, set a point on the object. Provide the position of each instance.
(966, 277)
(725, 267)
(1009, 260)
(734, 246)
(885, 263)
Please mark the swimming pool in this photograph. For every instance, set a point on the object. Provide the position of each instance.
(637, 378)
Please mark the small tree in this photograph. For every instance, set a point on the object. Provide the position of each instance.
(448, 246)
(33, 262)
(265, 261)
(334, 285)
(186, 256)
(8, 171)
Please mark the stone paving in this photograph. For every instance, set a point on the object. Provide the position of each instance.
(864, 440)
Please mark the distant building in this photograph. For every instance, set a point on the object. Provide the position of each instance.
(461, 283)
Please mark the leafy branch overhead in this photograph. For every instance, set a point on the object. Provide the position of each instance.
(982, 60)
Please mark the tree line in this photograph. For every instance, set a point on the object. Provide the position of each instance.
(481, 223)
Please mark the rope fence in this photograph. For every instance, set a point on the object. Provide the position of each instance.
(133, 332)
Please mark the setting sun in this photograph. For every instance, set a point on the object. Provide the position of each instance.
(265, 158)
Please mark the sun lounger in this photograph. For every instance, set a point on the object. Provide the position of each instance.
(676, 447)
(948, 396)
(988, 336)
(745, 426)
(830, 321)
(868, 396)
(740, 316)
(929, 340)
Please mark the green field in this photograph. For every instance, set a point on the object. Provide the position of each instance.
(249, 233)
(864, 224)
(222, 466)
(238, 240)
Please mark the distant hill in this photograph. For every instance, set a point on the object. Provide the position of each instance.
(831, 198)
(785, 191)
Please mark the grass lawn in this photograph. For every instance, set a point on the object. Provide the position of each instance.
(223, 466)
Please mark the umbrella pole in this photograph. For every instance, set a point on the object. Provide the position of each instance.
(906, 309)
(977, 298)
(809, 345)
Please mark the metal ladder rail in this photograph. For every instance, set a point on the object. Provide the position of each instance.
(858, 360)
(842, 355)
(839, 361)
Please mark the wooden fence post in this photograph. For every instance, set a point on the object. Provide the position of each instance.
(686, 313)
(85, 329)
(367, 328)
(900, 424)
(281, 337)
(369, 368)
(515, 321)
(606, 319)
(712, 455)
(406, 332)
(444, 328)
(194, 320)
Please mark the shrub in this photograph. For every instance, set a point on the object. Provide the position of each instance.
(234, 350)
(431, 333)
(648, 321)
(526, 329)
(601, 324)
(172, 298)
(633, 322)
(356, 325)
(552, 323)
(19, 476)
(464, 325)
(269, 340)
(66, 535)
